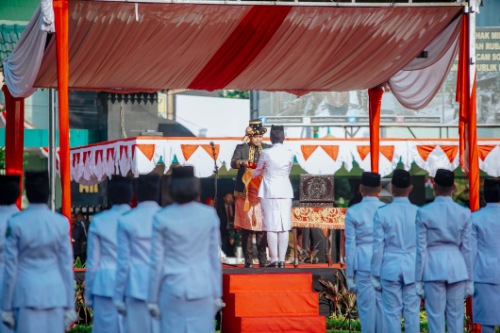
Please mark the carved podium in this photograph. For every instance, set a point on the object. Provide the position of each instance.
(315, 209)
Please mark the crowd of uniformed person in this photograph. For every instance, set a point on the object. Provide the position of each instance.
(153, 269)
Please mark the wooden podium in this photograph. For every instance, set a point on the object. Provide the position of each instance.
(319, 216)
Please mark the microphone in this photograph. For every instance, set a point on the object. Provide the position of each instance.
(212, 144)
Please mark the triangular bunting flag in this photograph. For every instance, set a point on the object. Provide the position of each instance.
(147, 150)
(307, 150)
(188, 150)
(133, 151)
(208, 149)
(332, 151)
(387, 151)
(86, 155)
(97, 153)
(484, 151)
(424, 151)
(450, 151)
(363, 151)
(110, 153)
(123, 150)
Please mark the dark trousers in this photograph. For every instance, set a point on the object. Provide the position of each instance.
(247, 245)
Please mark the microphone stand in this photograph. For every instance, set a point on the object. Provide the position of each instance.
(216, 173)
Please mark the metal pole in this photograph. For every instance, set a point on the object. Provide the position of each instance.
(52, 149)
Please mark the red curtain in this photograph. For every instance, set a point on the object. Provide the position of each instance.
(14, 136)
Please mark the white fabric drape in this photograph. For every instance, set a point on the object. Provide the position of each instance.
(21, 68)
(417, 84)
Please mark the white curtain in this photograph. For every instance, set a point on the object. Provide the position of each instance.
(416, 85)
(21, 68)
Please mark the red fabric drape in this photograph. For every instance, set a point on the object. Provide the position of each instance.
(62, 40)
(241, 48)
(375, 103)
(14, 136)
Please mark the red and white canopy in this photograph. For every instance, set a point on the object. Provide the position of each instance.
(92, 164)
(152, 45)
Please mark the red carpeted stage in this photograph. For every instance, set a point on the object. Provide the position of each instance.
(274, 299)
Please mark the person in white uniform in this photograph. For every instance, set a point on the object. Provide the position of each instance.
(359, 248)
(276, 194)
(444, 261)
(38, 288)
(186, 275)
(100, 275)
(134, 246)
(486, 256)
(9, 193)
(393, 260)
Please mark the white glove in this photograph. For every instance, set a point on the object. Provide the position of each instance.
(420, 290)
(218, 304)
(8, 319)
(121, 308)
(376, 283)
(70, 317)
(351, 286)
(469, 289)
(154, 310)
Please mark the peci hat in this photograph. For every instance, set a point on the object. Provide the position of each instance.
(147, 187)
(120, 190)
(401, 178)
(9, 189)
(277, 133)
(491, 183)
(255, 128)
(183, 172)
(37, 187)
(370, 179)
(444, 178)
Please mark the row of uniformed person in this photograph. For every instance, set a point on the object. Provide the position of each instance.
(397, 253)
(151, 269)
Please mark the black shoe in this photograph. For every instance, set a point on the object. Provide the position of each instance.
(264, 263)
(272, 264)
(281, 264)
(248, 264)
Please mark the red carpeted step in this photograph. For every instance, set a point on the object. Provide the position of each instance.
(269, 282)
(271, 303)
(289, 324)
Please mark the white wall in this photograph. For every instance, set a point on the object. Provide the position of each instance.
(221, 117)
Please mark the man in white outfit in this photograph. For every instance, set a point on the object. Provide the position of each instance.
(393, 260)
(486, 259)
(359, 247)
(38, 287)
(100, 275)
(276, 194)
(134, 245)
(444, 261)
(9, 193)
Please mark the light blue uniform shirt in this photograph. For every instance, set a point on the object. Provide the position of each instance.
(134, 246)
(485, 244)
(100, 275)
(359, 235)
(394, 241)
(185, 252)
(443, 242)
(38, 261)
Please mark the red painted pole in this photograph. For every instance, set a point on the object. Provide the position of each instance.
(375, 104)
(62, 41)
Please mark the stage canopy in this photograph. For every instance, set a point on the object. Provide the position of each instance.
(94, 163)
(297, 47)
